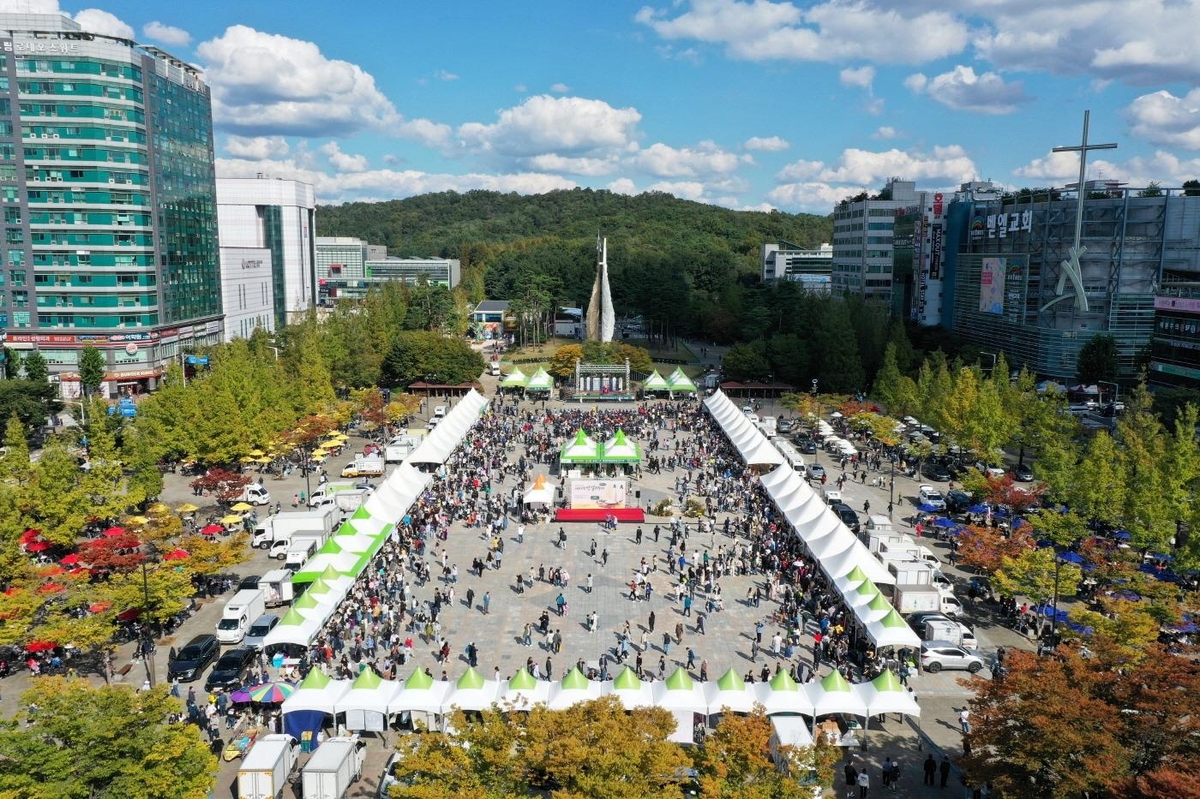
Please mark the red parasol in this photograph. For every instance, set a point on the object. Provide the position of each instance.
(112, 532)
(70, 560)
(129, 615)
(177, 554)
(40, 646)
(99, 607)
(30, 535)
(212, 529)
(51, 588)
(38, 546)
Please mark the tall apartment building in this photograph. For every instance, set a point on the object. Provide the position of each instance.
(109, 203)
(277, 215)
(862, 241)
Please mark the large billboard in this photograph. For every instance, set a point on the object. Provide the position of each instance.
(991, 286)
(603, 494)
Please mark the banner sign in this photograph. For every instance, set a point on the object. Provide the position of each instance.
(603, 494)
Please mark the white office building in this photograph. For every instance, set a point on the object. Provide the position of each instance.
(862, 241)
(247, 291)
(277, 215)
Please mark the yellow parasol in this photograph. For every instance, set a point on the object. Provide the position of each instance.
(136, 521)
(187, 507)
(242, 507)
(264, 459)
(246, 459)
(232, 518)
(256, 453)
(158, 507)
(319, 458)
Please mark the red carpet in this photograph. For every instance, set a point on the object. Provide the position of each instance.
(599, 514)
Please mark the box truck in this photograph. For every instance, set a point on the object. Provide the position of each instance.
(349, 501)
(328, 490)
(917, 599)
(265, 768)
(282, 526)
(254, 494)
(364, 466)
(245, 606)
(402, 446)
(955, 632)
(277, 587)
(333, 768)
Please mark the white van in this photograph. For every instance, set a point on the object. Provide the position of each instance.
(494, 369)
(832, 496)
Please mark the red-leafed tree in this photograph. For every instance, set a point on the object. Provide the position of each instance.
(984, 547)
(1005, 491)
(226, 485)
(117, 554)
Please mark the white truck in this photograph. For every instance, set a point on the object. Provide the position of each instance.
(301, 547)
(769, 426)
(349, 501)
(949, 630)
(333, 768)
(277, 588)
(917, 599)
(254, 494)
(402, 446)
(265, 768)
(364, 466)
(245, 606)
(282, 526)
(910, 572)
(327, 491)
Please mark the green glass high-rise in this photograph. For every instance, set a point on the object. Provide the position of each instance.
(108, 192)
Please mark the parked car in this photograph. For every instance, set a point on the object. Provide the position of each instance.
(935, 471)
(938, 655)
(816, 471)
(784, 426)
(1023, 473)
(191, 661)
(259, 629)
(232, 670)
(958, 501)
(249, 581)
(928, 495)
(846, 514)
(807, 446)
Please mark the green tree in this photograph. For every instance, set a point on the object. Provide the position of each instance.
(1032, 574)
(837, 359)
(422, 355)
(745, 362)
(1098, 484)
(1097, 360)
(100, 742)
(31, 402)
(894, 390)
(92, 366)
(736, 761)
(34, 365)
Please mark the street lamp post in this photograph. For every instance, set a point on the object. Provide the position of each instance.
(1054, 608)
(147, 636)
(82, 410)
(817, 454)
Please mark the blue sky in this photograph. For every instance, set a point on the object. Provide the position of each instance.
(751, 105)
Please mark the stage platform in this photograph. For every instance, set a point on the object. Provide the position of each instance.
(636, 515)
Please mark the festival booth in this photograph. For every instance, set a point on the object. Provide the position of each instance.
(629, 689)
(752, 446)
(294, 630)
(524, 691)
(620, 450)
(313, 702)
(515, 379)
(833, 696)
(574, 688)
(729, 692)
(678, 382)
(472, 692)
(422, 698)
(886, 694)
(441, 442)
(540, 381)
(655, 384)
(684, 697)
(541, 494)
(583, 449)
(783, 696)
(365, 705)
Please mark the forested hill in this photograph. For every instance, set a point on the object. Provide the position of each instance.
(672, 260)
(439, 224)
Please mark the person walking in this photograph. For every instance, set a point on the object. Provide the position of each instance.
(851, 774)
(651, 621)
(487, 602)
(589, 583)
(864, 783)
(944, 770)
(691, 659)
(930, 768)
(604, 558)
(470, 598)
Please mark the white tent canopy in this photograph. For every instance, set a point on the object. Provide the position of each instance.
(439, 444)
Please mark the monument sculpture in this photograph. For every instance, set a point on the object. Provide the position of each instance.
(601, 321)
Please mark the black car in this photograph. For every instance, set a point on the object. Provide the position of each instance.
(846, 514)
(807, 446)
(249, 582)
(1023, 473)
(958, 501)
(231, 670)
(936, 472)
(191, 661)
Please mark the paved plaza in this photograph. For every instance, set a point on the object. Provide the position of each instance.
(724, 644)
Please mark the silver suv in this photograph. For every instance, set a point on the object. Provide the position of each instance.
(938, 655)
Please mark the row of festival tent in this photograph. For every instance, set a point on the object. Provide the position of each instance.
(420, 693)
(331, 572)
(585, 449)
(850, 567)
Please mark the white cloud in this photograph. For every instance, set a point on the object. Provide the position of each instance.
(167, 34)
(591, 167)
(810, 197)
(762, 30)
(769, 144)
(98, 21)
(1060, 169)
(344, 162)
(622, 186)
(1056, 167)
(941, 165)
(270, 84)
(1163, 118)
(256, 146)
(560, 88)
(963, 90)
(572, 126)
(861, 77)
(707, 158)
(884, 133)
(424, 131)
(443, 75)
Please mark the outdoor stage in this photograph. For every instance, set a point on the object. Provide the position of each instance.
(636, 515)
